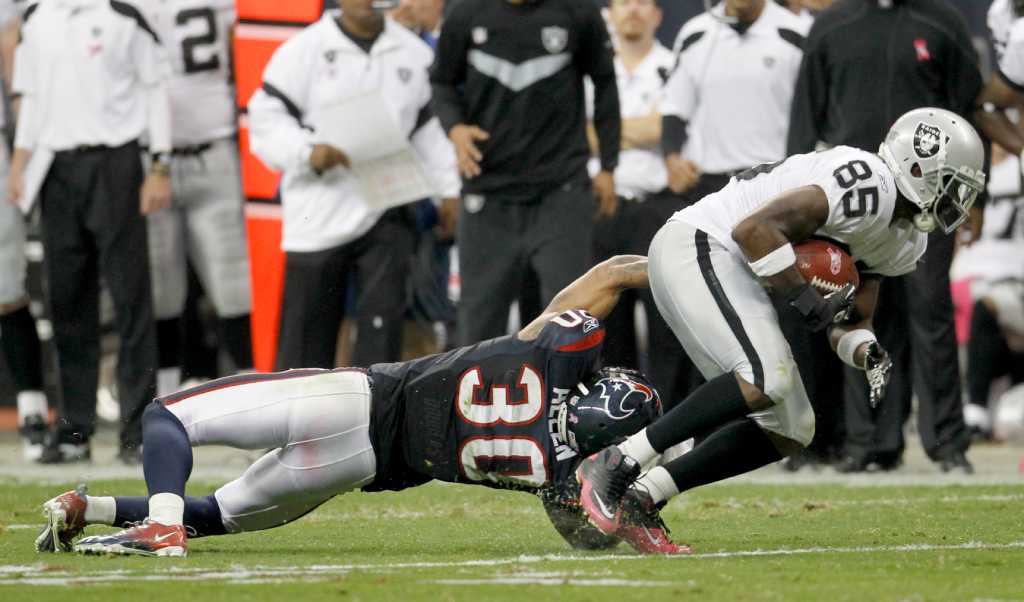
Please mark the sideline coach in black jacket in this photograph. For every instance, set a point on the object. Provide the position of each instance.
(508, 88)
(866, 62)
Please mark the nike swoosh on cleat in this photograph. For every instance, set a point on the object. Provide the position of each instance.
(159, 538)
(604, 509)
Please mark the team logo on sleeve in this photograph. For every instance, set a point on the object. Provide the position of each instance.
(479, 35)
(927, 140)
(554, 38)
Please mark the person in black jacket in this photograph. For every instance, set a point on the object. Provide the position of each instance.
(508, 89)
(866, 62)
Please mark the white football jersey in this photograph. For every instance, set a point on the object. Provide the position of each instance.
(196, 34)
(1000, 19)
(1011, 61)
(861, 195)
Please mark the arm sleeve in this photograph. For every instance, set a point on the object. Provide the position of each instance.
(679, 97)
(25, 71)
(27, 130)
(277, 133)
(810, 100)
(23, 83)
(438, 153)
(448, 73)
(153, 70)
(595, 59)
(673, 134)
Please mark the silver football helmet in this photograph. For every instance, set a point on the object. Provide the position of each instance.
(937, 159)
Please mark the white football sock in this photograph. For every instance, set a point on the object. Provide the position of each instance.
(29, 403)
(637, 446)
(167, 508)
(659, 484)
(100, 510)
(168, 380)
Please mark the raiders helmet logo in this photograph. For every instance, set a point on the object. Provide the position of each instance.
(479, 35)
(330, 55)
(554, 38)
(927, 139)
(404, 74)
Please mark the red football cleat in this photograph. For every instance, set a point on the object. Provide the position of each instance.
(148, 538)
(604, 478)
(641, 526)
(65, 520)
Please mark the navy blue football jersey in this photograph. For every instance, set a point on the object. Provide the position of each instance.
(485, 413)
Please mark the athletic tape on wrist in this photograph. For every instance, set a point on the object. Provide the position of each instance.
(849, 342)
(774, 262)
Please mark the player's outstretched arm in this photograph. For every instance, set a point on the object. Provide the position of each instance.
(595, 292)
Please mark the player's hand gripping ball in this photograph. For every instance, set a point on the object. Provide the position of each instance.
(825, 266)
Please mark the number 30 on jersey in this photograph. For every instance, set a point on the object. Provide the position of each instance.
(518, 459)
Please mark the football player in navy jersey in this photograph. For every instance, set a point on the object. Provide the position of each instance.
(514, 412)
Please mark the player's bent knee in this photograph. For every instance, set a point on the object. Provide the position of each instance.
(756, 398)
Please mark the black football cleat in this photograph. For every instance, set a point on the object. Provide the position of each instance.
(604, 478)
(641, 526)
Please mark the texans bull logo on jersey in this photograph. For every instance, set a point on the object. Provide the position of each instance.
(927, 140)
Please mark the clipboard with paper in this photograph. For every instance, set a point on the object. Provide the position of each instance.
(384, 165)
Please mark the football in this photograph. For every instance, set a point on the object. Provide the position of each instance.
(826, 266)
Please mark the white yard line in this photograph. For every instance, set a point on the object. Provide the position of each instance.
(41, 574)
(368, 514)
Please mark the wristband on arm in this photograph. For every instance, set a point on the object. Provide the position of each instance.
(774, 262)
(850, 342)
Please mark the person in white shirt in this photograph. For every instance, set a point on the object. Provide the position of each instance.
(92, 78)
(1004, 90)
(329, 229)
(709, 268)
(19, 341)
(205, 222)
(642, 66)
(727, 103)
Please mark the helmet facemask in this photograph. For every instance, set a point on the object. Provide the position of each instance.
(925, 175)
(950, 194)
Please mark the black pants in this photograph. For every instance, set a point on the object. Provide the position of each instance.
(500, 240)
(914, 322)
(92, 227)
(630, 232)
(315, 292)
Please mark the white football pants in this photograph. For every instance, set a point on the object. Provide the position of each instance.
(318, 423)
(726, 323)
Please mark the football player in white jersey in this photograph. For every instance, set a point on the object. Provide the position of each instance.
(205, 221)
(709, 267)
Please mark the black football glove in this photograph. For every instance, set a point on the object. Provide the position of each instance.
(877, 368)
(818, 312)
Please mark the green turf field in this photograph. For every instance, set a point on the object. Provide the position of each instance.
(438, 542)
